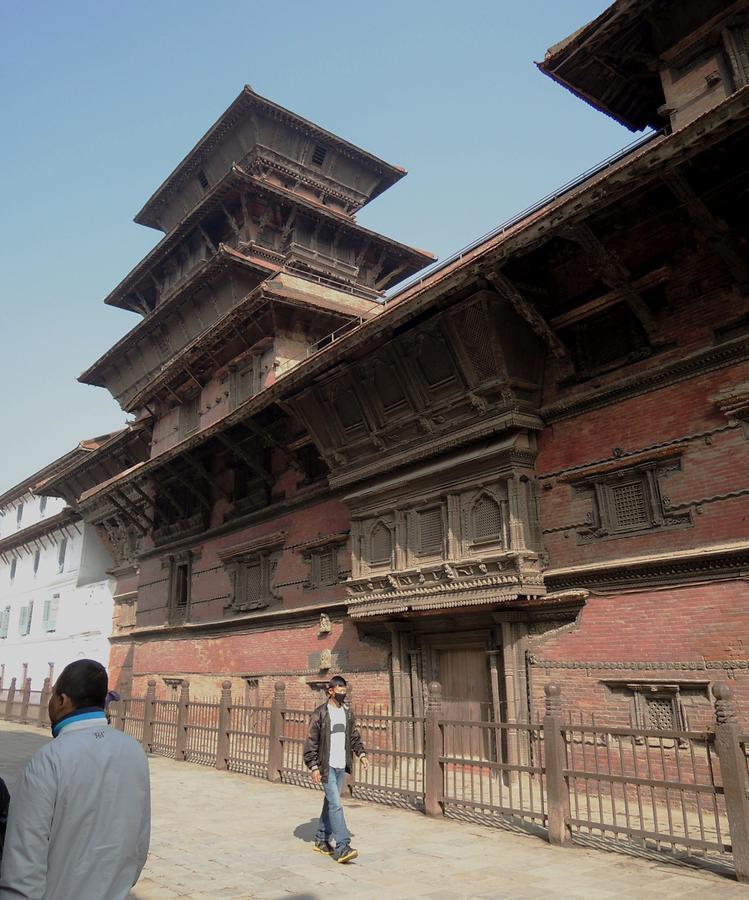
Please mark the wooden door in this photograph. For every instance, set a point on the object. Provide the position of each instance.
(466, 696)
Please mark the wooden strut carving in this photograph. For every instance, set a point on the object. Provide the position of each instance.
(240, 453)
(613, 273)
(505, 288)
(711, 229)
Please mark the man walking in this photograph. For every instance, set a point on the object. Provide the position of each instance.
(80, 818)
(332, 740)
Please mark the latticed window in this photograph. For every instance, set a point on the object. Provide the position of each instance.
(328, 567)
(430, 530)
(629, 504)
(380, 544)
(659, 713)
(476, 334)
(253, 583)
(487, 519)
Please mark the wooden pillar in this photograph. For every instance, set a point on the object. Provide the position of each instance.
(149, 707)
(25, 698)
(43, 718)
(224, 724)
(10, 699)
(555, 755)
(275, 737)
(517, 529)
(433, 750)
(183, 710)
(733, 773)
(417, 698)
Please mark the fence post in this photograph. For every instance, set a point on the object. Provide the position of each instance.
(224, 719)
(148, 715)
(555, 756)
(10, 699)
(433, 746)
(183, 705)
(275, 736)
(733, 773)
(43, 719)
(25, 698)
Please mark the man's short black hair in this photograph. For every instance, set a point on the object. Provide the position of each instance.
(337, 681)
(85, 682)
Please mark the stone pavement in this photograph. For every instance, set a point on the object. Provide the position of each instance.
(220, 835)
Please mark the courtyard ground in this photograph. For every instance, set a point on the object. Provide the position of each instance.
(221, 835)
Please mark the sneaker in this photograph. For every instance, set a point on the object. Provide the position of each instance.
(323, 847)
(346, 854)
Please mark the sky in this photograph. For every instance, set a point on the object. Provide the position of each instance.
(100, 101)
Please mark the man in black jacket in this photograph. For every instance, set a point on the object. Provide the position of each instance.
(332, 740)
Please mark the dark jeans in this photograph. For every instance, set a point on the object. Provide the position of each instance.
(332, 821)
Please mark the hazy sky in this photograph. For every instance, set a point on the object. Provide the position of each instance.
(101, 100)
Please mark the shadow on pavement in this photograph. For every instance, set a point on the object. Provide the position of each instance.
(306, 831)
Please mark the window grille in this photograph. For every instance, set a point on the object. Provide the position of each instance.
(659, 714)
(328, 567)
(202, 179)
(318, 155)
(630, 505)
(476, 335)
(487, 519)
(380, 544)
(254, 583)
(430, 530)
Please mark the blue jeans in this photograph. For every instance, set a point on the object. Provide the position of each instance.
(332, 821)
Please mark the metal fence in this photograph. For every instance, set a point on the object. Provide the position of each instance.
(682, 793)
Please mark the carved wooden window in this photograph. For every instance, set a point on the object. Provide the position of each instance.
(658, 707)
(189, 416)
(430, 531)
(251, 568)
(610, 339)
(476, 334)
(434, 361)
(487, 519)
(629, 501)
(380, 545)
(323, 567)
(180, 584)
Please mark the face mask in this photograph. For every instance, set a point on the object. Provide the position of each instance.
(340, 697)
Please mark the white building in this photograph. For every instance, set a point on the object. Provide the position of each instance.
(55, 594)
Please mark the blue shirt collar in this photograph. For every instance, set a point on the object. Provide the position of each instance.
(78, 715)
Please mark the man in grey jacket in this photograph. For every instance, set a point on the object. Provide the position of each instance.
(80, 817)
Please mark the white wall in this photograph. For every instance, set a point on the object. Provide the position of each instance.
(84, 597)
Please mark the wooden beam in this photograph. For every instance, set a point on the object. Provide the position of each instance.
(124, 512)
(711, 229)
(202, 499)
(611, 298)
(137, 511)
(505, 288)
(240, 453)
(614, 274)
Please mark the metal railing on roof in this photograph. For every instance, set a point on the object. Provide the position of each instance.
(419, 278)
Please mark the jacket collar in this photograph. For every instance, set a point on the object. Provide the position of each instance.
(85, 714)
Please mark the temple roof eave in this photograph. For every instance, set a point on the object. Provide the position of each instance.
(246, 99)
